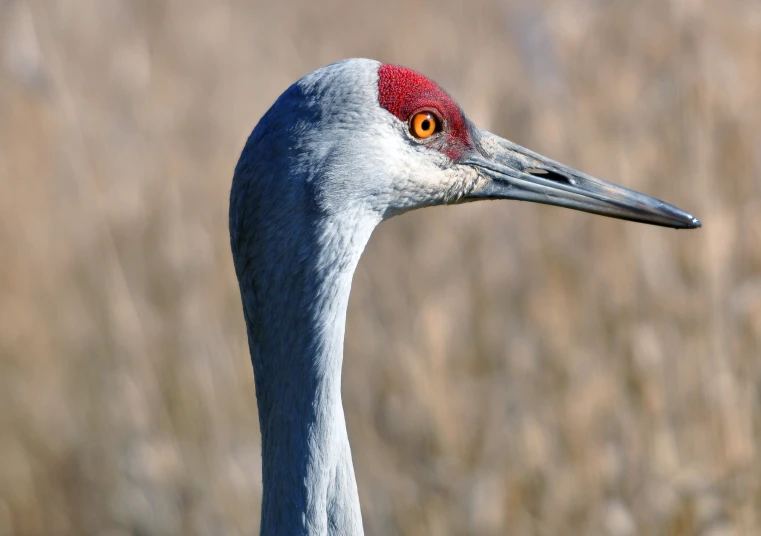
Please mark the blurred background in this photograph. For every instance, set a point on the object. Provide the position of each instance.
(509, 368)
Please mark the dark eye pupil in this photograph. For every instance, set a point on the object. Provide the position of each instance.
(426, 125)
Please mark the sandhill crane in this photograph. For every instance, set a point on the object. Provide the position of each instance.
(341, 150)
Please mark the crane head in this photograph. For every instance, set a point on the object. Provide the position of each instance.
(384, 139)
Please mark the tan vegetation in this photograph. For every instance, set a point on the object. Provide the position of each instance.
(510, 368)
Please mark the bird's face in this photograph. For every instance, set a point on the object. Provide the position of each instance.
(388, 139)
(474, 164)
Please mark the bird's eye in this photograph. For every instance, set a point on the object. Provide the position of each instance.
(424, 125)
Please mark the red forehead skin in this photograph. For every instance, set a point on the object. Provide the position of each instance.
(403, 92)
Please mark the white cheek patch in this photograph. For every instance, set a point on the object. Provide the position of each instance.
(375, 164)
(416, 175)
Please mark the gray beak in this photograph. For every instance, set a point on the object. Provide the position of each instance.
(513, 172)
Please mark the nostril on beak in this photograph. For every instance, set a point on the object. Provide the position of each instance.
(550, 175)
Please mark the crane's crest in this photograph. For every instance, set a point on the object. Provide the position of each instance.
(404, 92)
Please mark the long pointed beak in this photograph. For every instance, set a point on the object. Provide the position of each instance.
(514, 172)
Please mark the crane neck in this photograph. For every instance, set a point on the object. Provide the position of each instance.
(295, 289)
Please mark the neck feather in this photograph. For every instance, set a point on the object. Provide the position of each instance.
(295, 290)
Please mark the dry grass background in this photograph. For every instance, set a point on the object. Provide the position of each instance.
(510, 368)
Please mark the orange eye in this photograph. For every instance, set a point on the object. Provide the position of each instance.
(423, 125)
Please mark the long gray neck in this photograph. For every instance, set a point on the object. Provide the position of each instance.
(295, 281)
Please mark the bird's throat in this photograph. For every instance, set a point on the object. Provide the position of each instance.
(295, 315)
